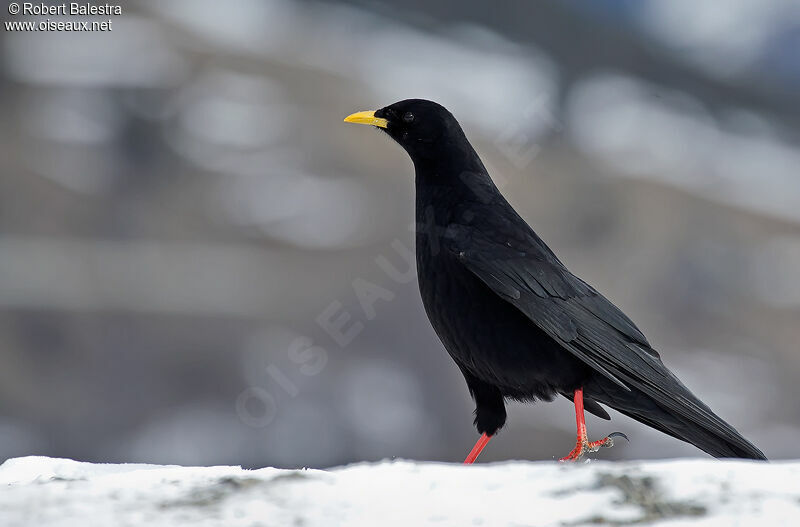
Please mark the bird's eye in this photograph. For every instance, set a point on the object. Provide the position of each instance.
(408, 117)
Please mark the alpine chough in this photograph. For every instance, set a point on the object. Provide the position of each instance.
(518, 324)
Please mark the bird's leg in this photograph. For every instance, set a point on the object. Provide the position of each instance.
(583, 445)
(490, 412)
(476, 450)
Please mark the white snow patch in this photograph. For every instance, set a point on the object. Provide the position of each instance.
(58, 492)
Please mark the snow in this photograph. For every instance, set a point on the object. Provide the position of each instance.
(60, 492)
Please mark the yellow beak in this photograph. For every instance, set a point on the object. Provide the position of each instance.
(366, 118)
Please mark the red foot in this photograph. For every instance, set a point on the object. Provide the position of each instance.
(583, 447)
(477, 449)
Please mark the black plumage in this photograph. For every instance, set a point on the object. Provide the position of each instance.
(517, 323)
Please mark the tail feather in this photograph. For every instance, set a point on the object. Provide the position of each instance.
(695, 423)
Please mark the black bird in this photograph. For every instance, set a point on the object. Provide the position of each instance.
(517, 323)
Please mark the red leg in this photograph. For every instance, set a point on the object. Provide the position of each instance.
(477, 449)
(583, 445)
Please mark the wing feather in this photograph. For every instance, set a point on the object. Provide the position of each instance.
(582, 320)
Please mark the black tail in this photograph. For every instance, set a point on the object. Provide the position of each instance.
(681, 415)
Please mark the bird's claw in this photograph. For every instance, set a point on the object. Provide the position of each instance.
(586, 447)
(619, 434)
(608, 442)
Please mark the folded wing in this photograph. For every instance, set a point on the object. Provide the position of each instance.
(522, 270)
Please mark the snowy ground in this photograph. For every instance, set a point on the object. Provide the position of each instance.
(38, 491)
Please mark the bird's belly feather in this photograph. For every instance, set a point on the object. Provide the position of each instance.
(489, 337)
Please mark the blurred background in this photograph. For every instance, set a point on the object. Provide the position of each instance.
(188, 230)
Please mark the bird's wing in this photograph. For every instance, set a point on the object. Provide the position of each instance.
(574, 314)
(564, 306)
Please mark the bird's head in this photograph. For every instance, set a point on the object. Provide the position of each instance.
(421, 127)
